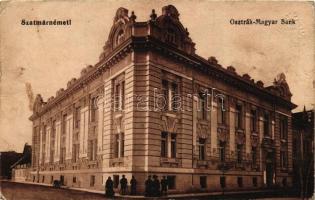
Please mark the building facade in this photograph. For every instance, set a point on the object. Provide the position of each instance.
(151, 105)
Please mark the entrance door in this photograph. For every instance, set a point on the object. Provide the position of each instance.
(269, 174)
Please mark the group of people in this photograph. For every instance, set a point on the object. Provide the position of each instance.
(109, 186)
(153, 187)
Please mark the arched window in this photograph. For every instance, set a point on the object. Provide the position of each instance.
(170, 36)
(119, 37)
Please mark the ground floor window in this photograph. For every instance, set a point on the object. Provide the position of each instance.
(240, 181)
(92, 180)
(203, 182)
(222, 181)
(255, 181)
(171, 180)
(43, 179)
(284, 182)
(116, 181)
(74, 180)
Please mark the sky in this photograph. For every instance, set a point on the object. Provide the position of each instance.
(42, 59)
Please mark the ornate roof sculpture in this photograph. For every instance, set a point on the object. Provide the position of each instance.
(38, 103)
(280, 87)
(120, 31)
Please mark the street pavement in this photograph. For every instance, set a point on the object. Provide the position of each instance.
(23, 191)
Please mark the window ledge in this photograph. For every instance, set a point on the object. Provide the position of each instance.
(170, 160)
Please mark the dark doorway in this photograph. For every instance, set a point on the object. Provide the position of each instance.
(269, 174)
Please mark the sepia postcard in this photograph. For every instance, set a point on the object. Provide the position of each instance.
(181, 99)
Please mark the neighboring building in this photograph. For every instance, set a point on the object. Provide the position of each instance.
(7, 159)
(143, 109)
(303, 151)
(21, 169)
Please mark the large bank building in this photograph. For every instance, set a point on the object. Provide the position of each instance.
(152, 106)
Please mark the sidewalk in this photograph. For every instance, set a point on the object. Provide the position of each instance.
(171, 196)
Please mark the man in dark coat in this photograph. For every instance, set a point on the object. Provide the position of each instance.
(156, 186)
(133, 186)
(164, 184)
(123, 185)
(109, 185)
(148, 187)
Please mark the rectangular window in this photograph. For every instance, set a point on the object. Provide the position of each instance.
(203, 182)
(165, 93)
(116, 180)
(254, 155)
(266, 124)
(75, 153)
(122, 145)
(119, 96)
(63, 155)
(92, 181)
(202, 110)
(222, 151)
(170, 92)
(283, 126)
(202, 149)
(116, 145)
(283, 159)
(94, 109)
(221, 110)
(239, 153)
(173, 145)
(255, 183)
(171, 180)
(77, 117)
(222, 181)
(239, 116)
(64, 124)
(164, 144)
(174, 99)
(74, 179)
(240, 181)
(253, 120)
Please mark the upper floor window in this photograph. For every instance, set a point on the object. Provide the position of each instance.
(168, 145)
(92, 149)
(254, 155)
(202, 149)
(163, 144)
(169, 92)
(253, 120)
(120, 96)
(77, 116)
(64, 124)
(75, 152)
(239, 116)
(283, 125)
(222, 151)
(283, 159)
(266, 124)
(221, 111)
(239, 153)
(202, 110)
(94, 109)
(119, 145)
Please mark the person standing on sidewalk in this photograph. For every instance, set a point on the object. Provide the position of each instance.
(133, 186)
(123, 185)
(148, 187)
(109, 185)
(164, 184)
(156, 186)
